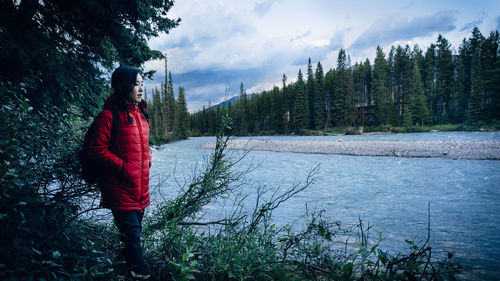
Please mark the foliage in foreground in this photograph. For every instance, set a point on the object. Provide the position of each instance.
(46, 238)
(42, 195)
(56, 56)
(249, 246)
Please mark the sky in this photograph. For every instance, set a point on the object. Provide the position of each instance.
(221, 43)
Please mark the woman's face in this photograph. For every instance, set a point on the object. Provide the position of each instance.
(136, 94)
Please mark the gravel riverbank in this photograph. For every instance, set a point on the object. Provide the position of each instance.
(479, 150)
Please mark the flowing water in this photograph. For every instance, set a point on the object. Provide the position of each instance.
(390, 193)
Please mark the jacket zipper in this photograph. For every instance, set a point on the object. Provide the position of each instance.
(139, 125)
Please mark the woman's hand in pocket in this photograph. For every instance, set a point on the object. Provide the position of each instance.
(130, 172)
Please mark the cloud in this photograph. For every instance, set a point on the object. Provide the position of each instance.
(470, 25)
(300, 36)
(203, 26)
(222, 43)
(224, 64)
(317, 52)
(387, 30)
(198, 78)
(218, 45)
(205, 85)
(262, 8)
(209, 83)
(408, 6)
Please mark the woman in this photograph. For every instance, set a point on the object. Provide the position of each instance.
(122, 147)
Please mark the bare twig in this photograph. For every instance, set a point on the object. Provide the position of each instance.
(66, 225)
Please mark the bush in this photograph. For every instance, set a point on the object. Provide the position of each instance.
(45, 237)
(43, 195)
(250, 246)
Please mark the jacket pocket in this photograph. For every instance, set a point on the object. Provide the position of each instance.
(130, 173)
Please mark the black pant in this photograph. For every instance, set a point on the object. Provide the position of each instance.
(129, 225)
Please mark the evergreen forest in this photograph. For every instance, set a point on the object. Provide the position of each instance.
(57, 57)
(169, 117)
(406, 87)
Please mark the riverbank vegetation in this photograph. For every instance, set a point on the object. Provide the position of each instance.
(56, 56)
(169, 116)
(407, 89)
(247, 244)
(53, 241)
(388, 129)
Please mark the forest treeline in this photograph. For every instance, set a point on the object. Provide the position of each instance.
(57, 57)
(169, 117)
(406, 87)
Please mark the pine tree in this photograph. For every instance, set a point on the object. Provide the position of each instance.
(164, 108)
(418, 57)
(320, 95)
(170, 104)
(244, 120)
(331, 85)
(286, 105)
(301, 113)
(350, 97)
(463, 80)
(476, 110)
(380, 90)
(436, 88)
(391, 84)
(476, 40)
(254, 115)
(476, 100)
(402, 74)
(418, 111)
(391, 113)
(429, 81)
(339, 101)
(444, 80)
(311, 95)
(276, 110)
(146, 95)
(181, 117)
(491, 78)
(366, 100)
(156, 126)
(407, 119)
(357, 76)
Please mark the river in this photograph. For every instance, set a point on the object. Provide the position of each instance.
(390, 193)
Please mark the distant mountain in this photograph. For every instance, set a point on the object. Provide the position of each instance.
(232, 100)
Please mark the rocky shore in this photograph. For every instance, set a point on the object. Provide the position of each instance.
(479, 150)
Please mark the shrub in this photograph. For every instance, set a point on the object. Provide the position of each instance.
(249, 246)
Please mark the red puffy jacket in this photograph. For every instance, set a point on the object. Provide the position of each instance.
(124, 157)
